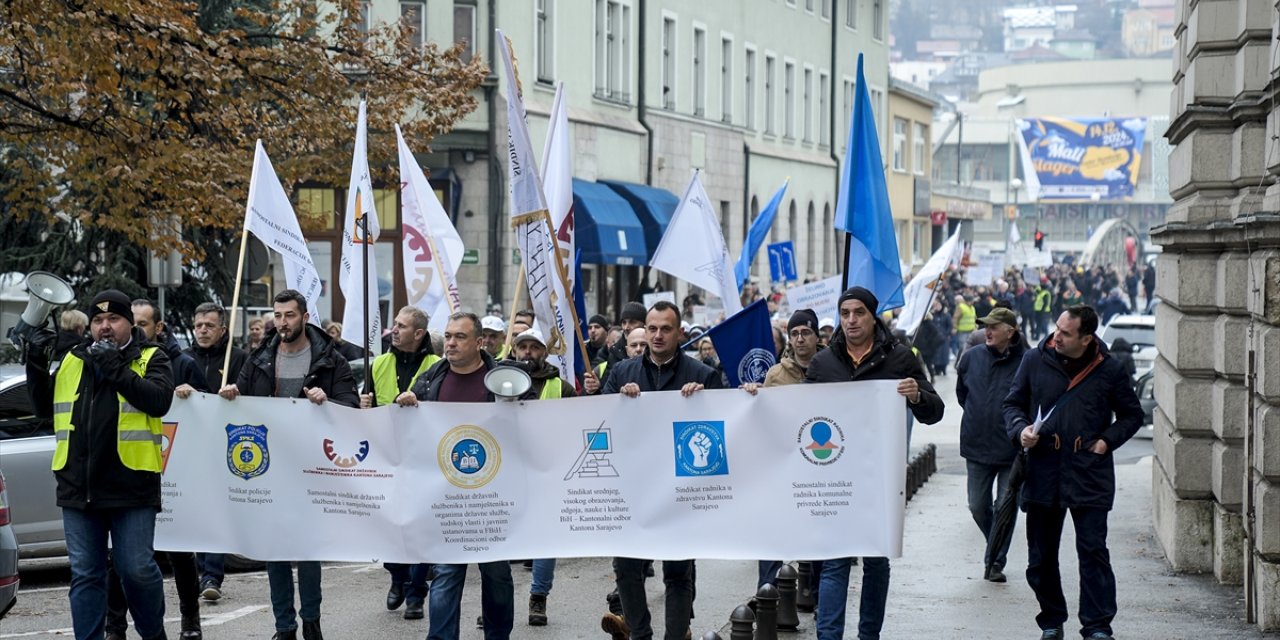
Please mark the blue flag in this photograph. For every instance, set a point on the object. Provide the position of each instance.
(862, 209)
(745, 344)
(580, 305)
(755, 235)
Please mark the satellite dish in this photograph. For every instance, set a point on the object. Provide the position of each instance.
(507, 383)
(256, 259)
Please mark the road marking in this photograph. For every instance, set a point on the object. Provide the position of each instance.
(205, 621)
(367, 569)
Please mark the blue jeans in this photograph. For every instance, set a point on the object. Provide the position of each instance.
(280, 577)
(497, 600)
(212, 567)
(544, 573)
(981, 478)
(132, 531)
(768, 573)
(834, 592)
(413, 577)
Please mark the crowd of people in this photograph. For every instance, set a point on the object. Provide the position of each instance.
(109, 473)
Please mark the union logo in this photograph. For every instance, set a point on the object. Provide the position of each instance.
(821, 441)
(469, 456)
(346, 462)
(754, 365)
(247, 454)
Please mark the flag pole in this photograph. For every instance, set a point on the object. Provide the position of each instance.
(364, 246)
(515, 300)
(844, 278)
(235, 301)
(564, 282)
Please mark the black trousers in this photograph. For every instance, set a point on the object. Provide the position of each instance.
(186, 577)
(1097, 580)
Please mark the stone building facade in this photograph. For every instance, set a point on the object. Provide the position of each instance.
(1216, 481)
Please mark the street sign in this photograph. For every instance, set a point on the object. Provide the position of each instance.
(471, 256)
(782, 261)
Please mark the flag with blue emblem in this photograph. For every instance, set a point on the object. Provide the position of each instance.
(862, 209)
(745, 344)
(756, 234)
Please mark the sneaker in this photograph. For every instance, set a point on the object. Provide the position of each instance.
(1052, 634)
(414, 611)
(538, 609)
(995, 574)
(210, 590)
(311, 630)
(615, 626)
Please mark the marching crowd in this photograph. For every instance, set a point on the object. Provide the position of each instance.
(106, 391)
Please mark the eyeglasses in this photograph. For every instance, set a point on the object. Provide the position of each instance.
(801, 334)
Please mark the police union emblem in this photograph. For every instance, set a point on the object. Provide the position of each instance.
(700, 449)
(755, 364)
(247, 455)
(469, 456)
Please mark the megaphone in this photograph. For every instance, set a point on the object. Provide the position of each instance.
(46, 291)
(507, 383)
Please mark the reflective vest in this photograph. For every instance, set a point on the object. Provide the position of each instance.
(138, 435)
(968, 318)
(600, 370)
(385, 381)
(1043, 298)
(551, 390)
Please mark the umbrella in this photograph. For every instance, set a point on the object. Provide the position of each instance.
(1007, 511)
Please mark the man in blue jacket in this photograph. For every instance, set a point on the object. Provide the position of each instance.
(984, 375)
(1069, 465)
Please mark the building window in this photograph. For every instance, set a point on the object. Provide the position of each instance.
(917, 242)
(699, 72)
(770, 84)
(789, 100)
(877, 19)
(919, 138)
(726, 80)
(846, 115)
(613, 62)
(749, 93)
(366, 16)
(545, 46)
(464, 29)
(808, 5)
(899, 144)
(824, 99)
(826, 9)
(877, 100)
(851, 14)
(807, 104)
(415, 20)
(668, 63)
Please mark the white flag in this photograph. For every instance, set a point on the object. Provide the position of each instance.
(529, 215)
(351, 274)
(1015, 236)
(693, 249)
(918, 294)
(270, 216)
(432, 247)
(557, 184)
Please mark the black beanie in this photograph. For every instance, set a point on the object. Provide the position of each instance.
(634, 311)
(861, 294)
(803, 318)
(598, 319)
(112, 301)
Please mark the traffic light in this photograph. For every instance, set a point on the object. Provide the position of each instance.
(1039, 240)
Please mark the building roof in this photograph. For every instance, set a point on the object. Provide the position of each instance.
(1075, 35)
(1037, 53)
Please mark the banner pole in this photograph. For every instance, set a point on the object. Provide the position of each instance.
(235, 302)
(515, 300)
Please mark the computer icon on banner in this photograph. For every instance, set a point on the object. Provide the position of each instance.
(593, 461)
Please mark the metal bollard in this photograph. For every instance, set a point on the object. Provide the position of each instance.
(767, 613)
(933, 459)
(804, 591)
(710, 635)
(788, 617)
(742, 623)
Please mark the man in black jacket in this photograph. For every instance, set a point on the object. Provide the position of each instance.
(107, 399)
(984, 375)
(665, 368)
(295, 360)
(209, 353)
(633, 317)
(864, 349)
(1072, 378)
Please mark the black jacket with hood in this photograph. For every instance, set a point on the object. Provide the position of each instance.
(427, 387)
(210, 362)
(329, 371)
(671, 376)
(887, 360)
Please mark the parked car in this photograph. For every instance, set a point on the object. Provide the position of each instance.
(1147, 396)
(8, 556)
(1139, 331)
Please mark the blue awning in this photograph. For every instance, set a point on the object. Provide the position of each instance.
(654, 206)
(606, 228)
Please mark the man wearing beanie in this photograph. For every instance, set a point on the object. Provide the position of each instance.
(863, 349)
(597, 331)
(633, 315)
(106, 400)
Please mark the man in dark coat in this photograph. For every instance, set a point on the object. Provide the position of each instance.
(984, 375)
(664, 368)
(864, 349)
(1073, 378)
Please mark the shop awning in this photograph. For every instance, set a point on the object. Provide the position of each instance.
(654, 207)
(606, 227)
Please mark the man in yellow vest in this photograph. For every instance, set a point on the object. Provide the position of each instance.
(106, 398)
(393, 373)
(965, 321)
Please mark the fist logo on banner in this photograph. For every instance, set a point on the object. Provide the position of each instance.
(247, 455)
(469, 456)
(700, 449)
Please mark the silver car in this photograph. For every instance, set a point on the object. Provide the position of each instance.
(8, 555)
(26, 451)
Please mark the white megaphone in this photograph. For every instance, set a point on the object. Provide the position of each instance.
(507, 383)
(46, 291)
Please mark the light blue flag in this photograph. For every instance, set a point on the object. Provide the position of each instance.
(756, 234)
(862, 209)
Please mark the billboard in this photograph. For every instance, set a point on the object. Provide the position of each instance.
(1081, 158)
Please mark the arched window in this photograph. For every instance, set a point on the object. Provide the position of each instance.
(833, 241)
(810, 248)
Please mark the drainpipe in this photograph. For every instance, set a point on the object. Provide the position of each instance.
(835, 132)
(497, 175)
(642, 112)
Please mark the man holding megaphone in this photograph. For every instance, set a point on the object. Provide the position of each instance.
(106, 399)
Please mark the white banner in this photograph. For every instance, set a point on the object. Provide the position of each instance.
(821, 296)
(356, 282)
(797, 472)
(270, 216)
(692, 248)
(432, 247)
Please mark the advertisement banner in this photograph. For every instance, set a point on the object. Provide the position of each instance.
(796, 472)
(1081, 158)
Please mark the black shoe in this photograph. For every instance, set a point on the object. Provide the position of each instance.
(291, 634)
(615, 602)
(413, 611)
(210, 590)
(191, 628)
(995, 574)
(1099, 635)
(479, 622)
(395, 596)
(537, 609)
(112, 635)
(311, 630)
(1052, 634)
(528, 565)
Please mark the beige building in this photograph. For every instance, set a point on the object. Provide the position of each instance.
(1147, 31)
(909, 165)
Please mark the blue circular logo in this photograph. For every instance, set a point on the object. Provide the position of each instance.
(468, 456)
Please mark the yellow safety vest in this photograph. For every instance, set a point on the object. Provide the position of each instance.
(385, 381)
(968, 318)
(552, 390)
(1042, 300)
(138, 435)
(600, 369)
